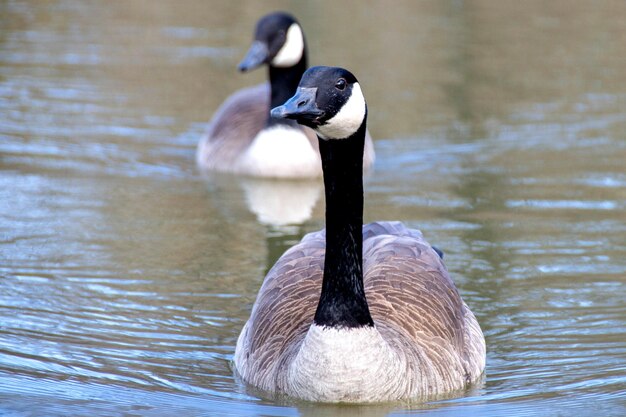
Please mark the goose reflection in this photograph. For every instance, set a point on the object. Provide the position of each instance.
(281, 203)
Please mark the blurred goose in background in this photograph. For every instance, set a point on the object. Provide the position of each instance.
(355, 313)
(242, 138)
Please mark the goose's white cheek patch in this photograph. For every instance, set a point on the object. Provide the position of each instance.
(291, 52)
(349, 118)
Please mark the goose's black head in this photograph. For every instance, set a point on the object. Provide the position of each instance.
(278, 42)
(329, 100)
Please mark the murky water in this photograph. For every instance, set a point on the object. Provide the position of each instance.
(126, 276)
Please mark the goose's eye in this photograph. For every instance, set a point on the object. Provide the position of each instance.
(340, 84)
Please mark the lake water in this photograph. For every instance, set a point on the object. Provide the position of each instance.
(126, 275)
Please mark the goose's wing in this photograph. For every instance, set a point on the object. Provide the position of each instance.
(410, 292)
(233, 128)
(409, 283)
(282, 313)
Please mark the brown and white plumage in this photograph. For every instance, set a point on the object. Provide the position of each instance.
(355, 313)
(413, 302)
(234, 127)
(242, 138)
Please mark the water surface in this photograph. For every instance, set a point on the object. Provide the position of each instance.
(126, 275)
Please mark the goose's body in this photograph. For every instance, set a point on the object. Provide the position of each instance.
(238, 140)
(355, 313)
(242, 138)
(425, 340)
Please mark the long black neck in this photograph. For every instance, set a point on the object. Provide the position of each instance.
(283, 83)
(342, 301)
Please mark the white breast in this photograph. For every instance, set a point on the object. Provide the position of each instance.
(346, 365)
(280, 152)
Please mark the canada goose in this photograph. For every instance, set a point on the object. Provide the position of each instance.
(242, 138)
(355, 313)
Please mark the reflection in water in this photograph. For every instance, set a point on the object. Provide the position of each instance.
(125, 277)
(324, 410)
(282, 207)
(281, 203)
(278, 204)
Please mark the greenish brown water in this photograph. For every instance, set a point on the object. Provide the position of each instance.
(126, 276)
